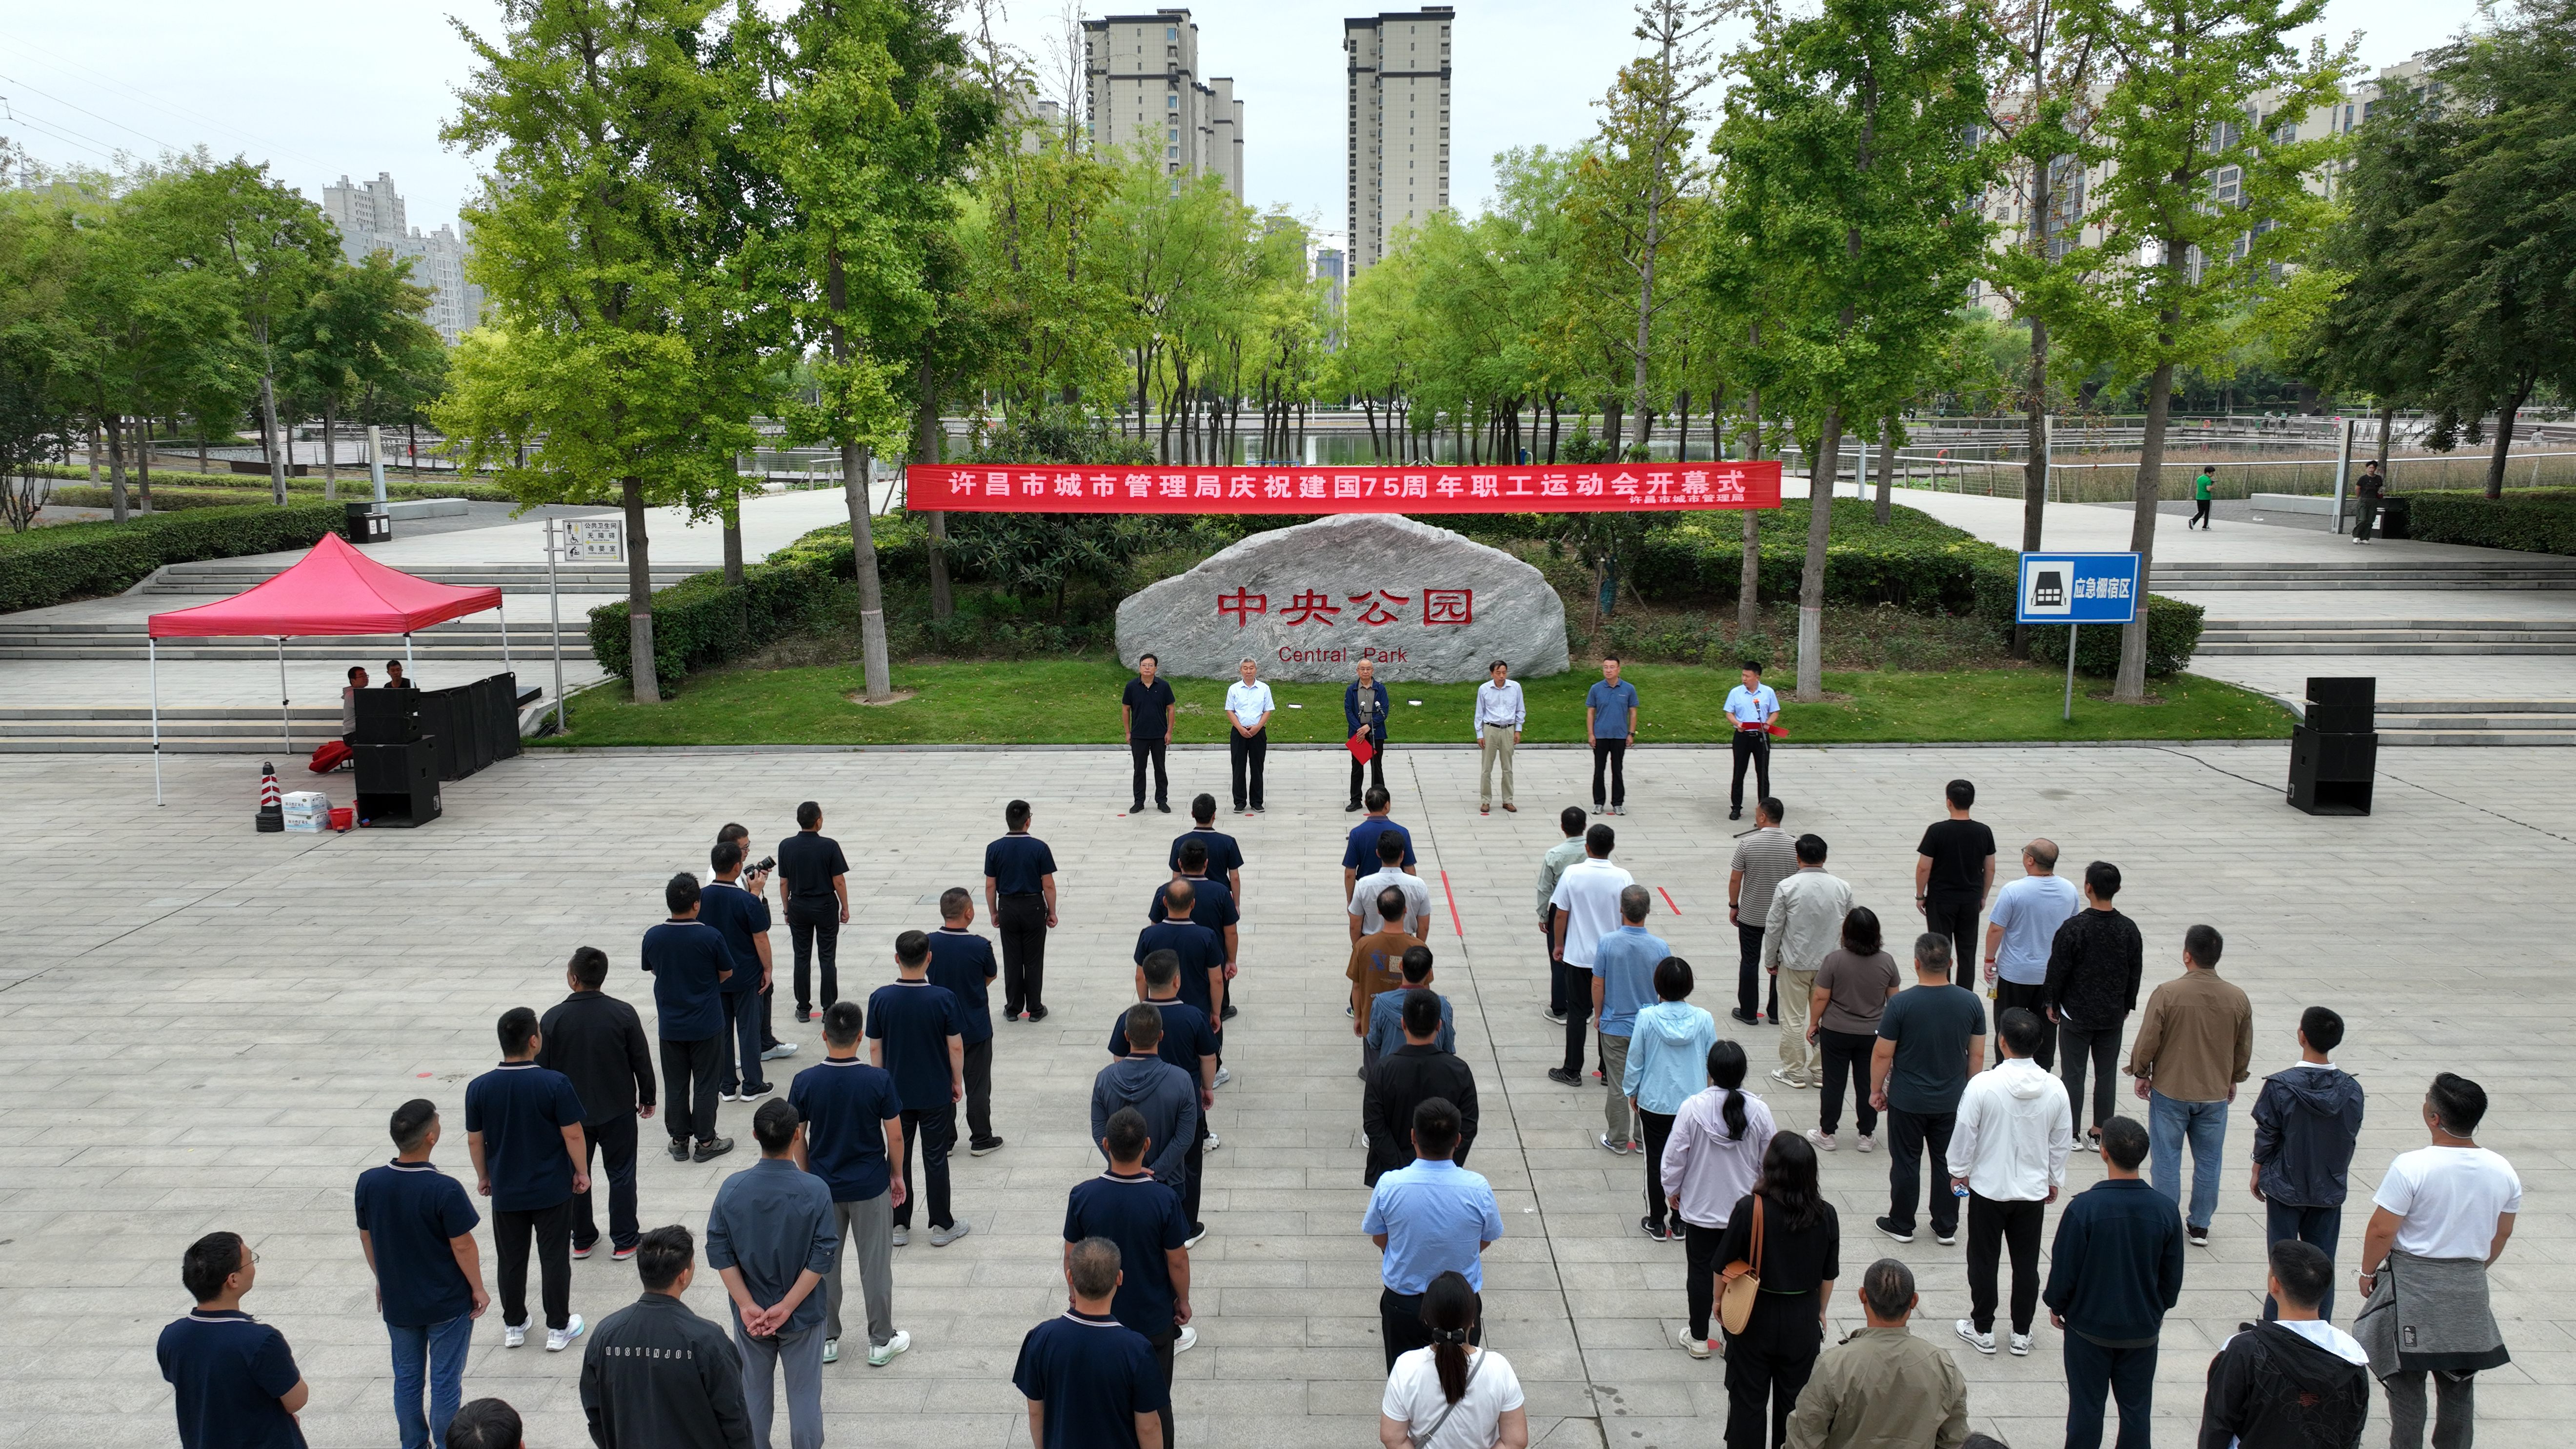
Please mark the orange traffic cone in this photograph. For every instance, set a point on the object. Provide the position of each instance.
(272, 815)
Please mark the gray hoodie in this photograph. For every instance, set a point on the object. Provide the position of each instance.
(1169, 1102)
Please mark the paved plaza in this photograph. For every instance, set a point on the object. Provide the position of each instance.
(206, 1028)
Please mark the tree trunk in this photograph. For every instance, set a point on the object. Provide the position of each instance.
(2034, 472)
(1811, 582)
(1886, 510)
(93, 452)
(855, 461)
(1748, 588)
(268, 427)
(2387, 419)
(639, 598)
(116, 466)
(413, 424)
(1681, 436)
(2503, 436)
(2131, 685)
(929, 443)
(732, 517)
(143, 465)
(1555, 412)
(330, 454)
(1610, 412)
(202, 429)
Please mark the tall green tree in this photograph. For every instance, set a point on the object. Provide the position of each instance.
(2205, 199)
(350, 338)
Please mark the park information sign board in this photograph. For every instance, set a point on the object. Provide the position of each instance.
(2079, 588)
(1558, 488)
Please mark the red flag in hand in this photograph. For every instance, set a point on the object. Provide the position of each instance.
(1361, 749)
(1777, 730)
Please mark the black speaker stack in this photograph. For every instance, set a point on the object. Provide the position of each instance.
(411, 740)
(2334, 751)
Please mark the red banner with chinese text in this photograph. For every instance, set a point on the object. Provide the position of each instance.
(1558, 488)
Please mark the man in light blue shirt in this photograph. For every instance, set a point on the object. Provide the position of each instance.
(1623, 980)
(1751, 706)
(1609, 720)
(1425, 1217)
(1386, 1010)
(1500, 713)
(2020, 934)
(1248, 707)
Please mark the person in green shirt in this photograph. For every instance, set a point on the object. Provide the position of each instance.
(2200, 487)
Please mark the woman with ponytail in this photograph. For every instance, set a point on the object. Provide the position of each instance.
(1771, 1360)
(1709, 1163)
(1452, 1395)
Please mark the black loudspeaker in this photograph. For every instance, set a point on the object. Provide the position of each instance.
(2359, 691)
(395, 768)
(2341, 719)
(505, 715)
(473, 719)
(388, 716)
(438, 722)
(2331, 774)
(387, 809)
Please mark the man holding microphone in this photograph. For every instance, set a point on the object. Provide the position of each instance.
(1751, 706)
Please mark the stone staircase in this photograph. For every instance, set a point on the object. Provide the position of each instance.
(192, 730)
(2477, 722)
(2224, 637)
(2379, 572)
(231, 576)
(476, 639)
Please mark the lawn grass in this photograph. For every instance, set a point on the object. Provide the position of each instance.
(1075, 701)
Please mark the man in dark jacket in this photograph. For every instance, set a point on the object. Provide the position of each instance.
(1161, 1093)
(598, 1041)
(2297, 1382)
(657, 1376)
(2114, 1271)
(2305, 1124)
(1364, 713)
(2093, 970)
(1408, 1077)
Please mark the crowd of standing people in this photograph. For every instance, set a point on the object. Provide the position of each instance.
(1979, 1120)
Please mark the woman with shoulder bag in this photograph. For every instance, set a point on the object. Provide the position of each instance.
(1792, 1270)
(1709, 1162)
(1452, 1395)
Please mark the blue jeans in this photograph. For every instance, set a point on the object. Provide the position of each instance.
(443, 1346)
(2169, 1122)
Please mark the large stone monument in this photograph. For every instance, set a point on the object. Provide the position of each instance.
(1311, 602)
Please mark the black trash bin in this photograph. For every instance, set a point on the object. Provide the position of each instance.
(368, 525)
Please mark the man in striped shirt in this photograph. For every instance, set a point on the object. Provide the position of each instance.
(1764, 857)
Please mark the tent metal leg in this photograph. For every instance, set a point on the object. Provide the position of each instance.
(505, 639)
(285, 730)
(152, 653)
(408, 670)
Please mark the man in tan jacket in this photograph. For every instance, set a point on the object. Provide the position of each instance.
(2194, 1045)
(1883, 1385)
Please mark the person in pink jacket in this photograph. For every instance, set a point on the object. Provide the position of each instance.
(1710, 1162)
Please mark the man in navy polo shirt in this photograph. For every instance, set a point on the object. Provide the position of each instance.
(1225, 857)
(1201, 954)
(743, 920)
(1019, 889)
(1091, 1381)
(1215, 909)
(915, 1035)
(238, 1387)
(1189, 1043)
(1144, 1218)
(963, 962)
(690, 963)
(1359, 853)
(853, 1136)
(416, 1227)
(523, 1128)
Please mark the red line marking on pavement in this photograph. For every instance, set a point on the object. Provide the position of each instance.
(1668, 900)
(1456, 924)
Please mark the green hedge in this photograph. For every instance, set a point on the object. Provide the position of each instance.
(2539, 520)
(703, 621)
(354, 485)
(85, 560)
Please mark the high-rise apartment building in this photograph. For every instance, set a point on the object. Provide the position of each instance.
(371, 219)
(1143, 78)
(1398, 65)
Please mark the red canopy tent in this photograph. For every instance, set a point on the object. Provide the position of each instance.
(332, 590)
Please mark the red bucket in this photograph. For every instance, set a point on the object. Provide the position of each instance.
(343, 816)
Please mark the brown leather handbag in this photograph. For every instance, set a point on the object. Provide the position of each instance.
(1740, 1280)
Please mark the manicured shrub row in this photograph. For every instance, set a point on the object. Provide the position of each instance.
(703, 621)
(2536, 521)
(85, 560)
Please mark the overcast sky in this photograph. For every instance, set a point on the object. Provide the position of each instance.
(321, 89)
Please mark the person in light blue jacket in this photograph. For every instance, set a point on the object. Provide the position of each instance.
(1667, 1065)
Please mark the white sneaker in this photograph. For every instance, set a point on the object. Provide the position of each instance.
(559, 1339)
(1983, 1342)
(1868, 1143)
(1223, 1076)
(1188, 1340)
(729, 1094)
(1824, 1140)
(1212, 1143)
(879, 1355)
(2021, 1345)
(1603, 1141)
(831, 1350)
(513, 1334)
(1695, 1347)
(1781, 1075)
(783, 1049)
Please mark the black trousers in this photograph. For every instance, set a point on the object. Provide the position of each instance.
(2094, 1373)
(1846, 1055)
(2012, 995)
(2200, 513)
(1613, 753)
(1163, 1343)
(1399, 1322)
(551, 1227)
(2319, 1227)
(742, 1041)
(1699, 1270)
(1195, 1164)
(1766, 1367)
(937, 1131)
(1376, 768)
(1954, 914)
(2365, 513)
(1021, 922)
(1748, 969)
(1909, 1135)
(1555, 966)
(2099, 1045)
(613, 1143)
(1658, 1129)
(1992, 1227)
(1578, 1014)
(689, 1072)
(1244, 754)
(816, 932)
(1752, 747)
(979, 1093)
(1141, 751)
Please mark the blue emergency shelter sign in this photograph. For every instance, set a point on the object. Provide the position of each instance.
(2079, 588)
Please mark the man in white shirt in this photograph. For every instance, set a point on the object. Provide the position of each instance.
(2018, 936)
(1391, 872)
(1750, 707)
(1247, 709)
(1805, 923)
(2008, 1148)
(1587, 909)
(2441, 1217)
(1500, 713)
